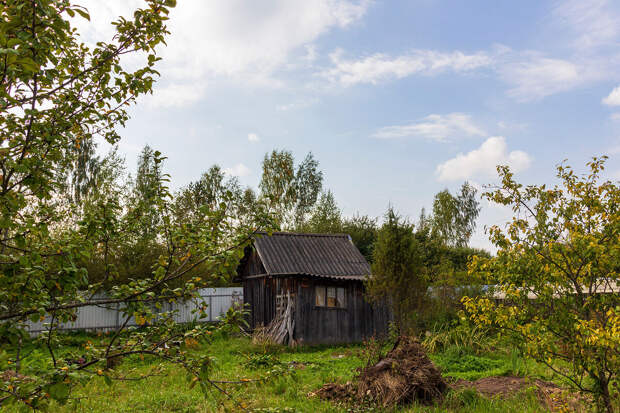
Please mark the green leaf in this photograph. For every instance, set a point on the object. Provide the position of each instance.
(83, 13)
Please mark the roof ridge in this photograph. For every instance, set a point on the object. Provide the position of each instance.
(305, 234)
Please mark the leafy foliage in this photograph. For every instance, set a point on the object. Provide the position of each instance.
(557, 270)
(363, 231)
(325, 217)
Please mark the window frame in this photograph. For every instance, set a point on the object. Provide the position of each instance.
(338, 291)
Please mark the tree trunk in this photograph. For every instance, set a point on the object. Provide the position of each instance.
(606, 397)
(603, 385)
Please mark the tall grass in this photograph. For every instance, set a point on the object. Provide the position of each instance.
(462, 338)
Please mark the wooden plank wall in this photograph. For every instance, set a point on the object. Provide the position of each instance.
(321, 325)
(259, 293)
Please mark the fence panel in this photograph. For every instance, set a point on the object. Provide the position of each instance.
(107, 318)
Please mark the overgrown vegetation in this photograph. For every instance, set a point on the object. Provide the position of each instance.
(279, 380)
(77, 230)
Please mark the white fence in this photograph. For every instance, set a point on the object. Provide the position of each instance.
(107, 318)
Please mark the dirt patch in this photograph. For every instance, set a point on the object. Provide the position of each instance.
(550, 394)
(404, 375)
(494, 386)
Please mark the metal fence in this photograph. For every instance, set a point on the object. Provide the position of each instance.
(107, 318)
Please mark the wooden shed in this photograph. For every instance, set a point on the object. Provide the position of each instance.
(319, 278)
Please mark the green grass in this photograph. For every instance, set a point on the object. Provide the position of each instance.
(287, 388)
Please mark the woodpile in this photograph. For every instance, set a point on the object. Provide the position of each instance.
(281, 328)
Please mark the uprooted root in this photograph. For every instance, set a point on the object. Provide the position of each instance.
(404, 375)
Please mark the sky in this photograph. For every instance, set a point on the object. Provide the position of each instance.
(397, 100)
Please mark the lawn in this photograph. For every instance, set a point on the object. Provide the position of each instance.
(289, 376)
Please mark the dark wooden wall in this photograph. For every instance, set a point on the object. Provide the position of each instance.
(260, 293)
(324, 325)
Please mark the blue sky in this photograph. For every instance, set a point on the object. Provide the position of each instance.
(396, 99)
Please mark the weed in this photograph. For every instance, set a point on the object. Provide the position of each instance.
(371, 351)
(517, 364)
(462, 337)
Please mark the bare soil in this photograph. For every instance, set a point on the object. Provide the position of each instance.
(554, 397)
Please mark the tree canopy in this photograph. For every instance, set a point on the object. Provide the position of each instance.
(454, 217)
(396, 269)
(290, 192)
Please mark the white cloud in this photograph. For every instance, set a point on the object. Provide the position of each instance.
(483, 161)
(245, 41)
(530, 75)
(380, 67)
(434, 127)
(615, 116)
(613, 99)
(533, 76)
(233, 36)
(238, 170)
(255, 43)
(249, 39)
(253, 137)
(594, 22)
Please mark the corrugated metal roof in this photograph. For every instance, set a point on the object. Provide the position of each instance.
(320, 255)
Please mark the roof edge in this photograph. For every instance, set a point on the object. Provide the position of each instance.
(304, 234)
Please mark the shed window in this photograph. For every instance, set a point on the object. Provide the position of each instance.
(333, 297)
(319, 292)
(341, 300)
